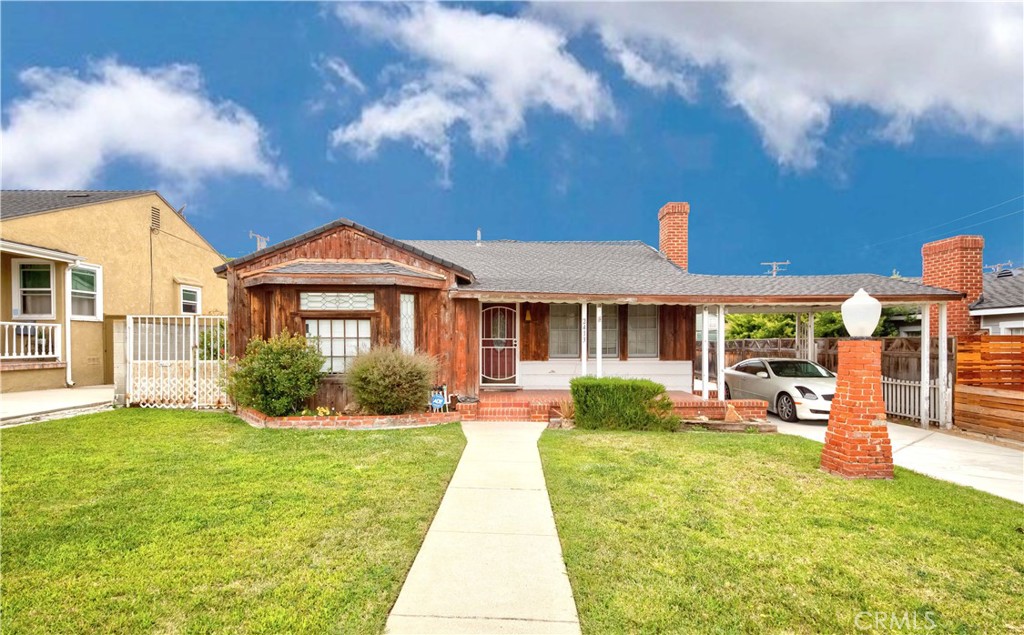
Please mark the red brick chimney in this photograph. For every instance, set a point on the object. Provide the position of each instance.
(956, 264)
(673, 232)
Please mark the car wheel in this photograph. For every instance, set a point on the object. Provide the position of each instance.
(728, 395)
(786, 408)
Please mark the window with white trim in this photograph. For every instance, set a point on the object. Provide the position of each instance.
(87, 292)
(339, 341)
(610, 331)
(642, 330)
(33, 289)
(191, 300)
(564, 331)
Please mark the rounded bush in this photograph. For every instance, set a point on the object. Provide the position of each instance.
(387, 381)
(276, 376)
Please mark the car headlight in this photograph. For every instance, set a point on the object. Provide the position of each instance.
(807, 393)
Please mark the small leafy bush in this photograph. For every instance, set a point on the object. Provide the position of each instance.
(387, 381)
(613, 403)
(276, 376)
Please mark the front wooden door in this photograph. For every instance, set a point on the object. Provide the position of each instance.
(499, 344)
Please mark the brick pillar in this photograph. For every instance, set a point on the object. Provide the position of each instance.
(956, 264)
(857, 441)
(673, 232)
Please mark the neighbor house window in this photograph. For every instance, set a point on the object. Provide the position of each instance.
(339, 341)
(564, 331)
(610, 332)
(33, 291)
(191, 299)
(643, 330)
(87, 292)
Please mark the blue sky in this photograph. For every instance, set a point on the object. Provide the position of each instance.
(544, 122)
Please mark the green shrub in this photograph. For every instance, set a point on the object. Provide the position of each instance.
(276, 376)
(386, 381)
(612, 403)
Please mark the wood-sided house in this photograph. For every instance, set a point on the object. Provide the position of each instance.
(514, 314)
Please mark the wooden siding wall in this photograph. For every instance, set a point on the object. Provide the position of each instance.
(533, 335)
(265, 310)
(678, 332)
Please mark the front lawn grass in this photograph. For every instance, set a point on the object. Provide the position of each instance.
(730, 533)
(174, 521)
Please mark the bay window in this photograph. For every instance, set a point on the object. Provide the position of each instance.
(339, 341)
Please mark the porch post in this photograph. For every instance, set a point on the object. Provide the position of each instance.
(583, 339)
(720, 350)
(812, 351)
(945, 420)
(599, 341)
(926, 361)
(705, 384)
(68, 378)
(796, 334)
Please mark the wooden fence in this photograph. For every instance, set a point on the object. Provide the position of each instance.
(901, 356)
(989, 393)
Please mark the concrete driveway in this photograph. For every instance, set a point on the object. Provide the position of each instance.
(988, 467)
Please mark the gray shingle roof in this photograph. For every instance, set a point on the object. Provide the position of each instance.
(352, 268)
(630, 268)
(14, 203)
(1001, 293)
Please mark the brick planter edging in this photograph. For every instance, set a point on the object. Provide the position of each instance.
(347, 422)
(747, 409)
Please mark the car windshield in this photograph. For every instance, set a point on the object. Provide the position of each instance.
(798, 368)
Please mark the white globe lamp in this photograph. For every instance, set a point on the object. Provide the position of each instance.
(860, 314)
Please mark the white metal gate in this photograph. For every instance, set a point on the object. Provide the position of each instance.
(176, 361)
(903, 398)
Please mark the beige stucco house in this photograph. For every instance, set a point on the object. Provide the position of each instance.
(73, 264)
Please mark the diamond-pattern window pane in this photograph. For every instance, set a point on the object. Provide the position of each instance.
(407, 320)
(326, 301)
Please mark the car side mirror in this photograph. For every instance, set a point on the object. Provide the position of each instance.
(762, 374)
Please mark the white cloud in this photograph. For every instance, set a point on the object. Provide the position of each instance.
(69, 127)
(789, 66)
(483, 72)
(343, 71)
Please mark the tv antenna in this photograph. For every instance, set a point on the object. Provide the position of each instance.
(261, 241)
(776, 265)
(1000, 266)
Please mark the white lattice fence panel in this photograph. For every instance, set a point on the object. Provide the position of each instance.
(176, 361)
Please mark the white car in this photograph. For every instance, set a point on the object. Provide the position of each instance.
(794, 388)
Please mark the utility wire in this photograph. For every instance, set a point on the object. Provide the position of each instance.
(980, 211)
(989, 220)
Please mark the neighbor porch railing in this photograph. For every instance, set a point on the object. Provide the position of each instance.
(28, 341)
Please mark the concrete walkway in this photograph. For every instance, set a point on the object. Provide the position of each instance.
(491, 561)
(990, 468)
(41, 405)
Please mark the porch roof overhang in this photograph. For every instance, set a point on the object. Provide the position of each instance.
(35, 251)
(345, 273)
(736, 303)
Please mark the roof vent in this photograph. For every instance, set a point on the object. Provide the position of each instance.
(154, 218)
(1005, 273)
(79, 195)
